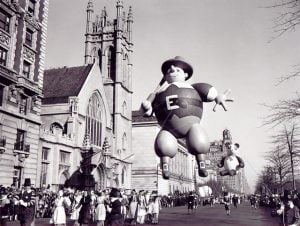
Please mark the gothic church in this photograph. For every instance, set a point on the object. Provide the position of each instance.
(86, 110)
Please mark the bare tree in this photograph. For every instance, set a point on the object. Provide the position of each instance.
(279, 161)
(288, 18)
(288, 141)
(287, 21)
(266, 180)
(282, 112)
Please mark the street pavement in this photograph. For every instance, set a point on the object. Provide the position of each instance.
(244, 215)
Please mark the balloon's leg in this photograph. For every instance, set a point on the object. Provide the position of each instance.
(166, 148)
(224, 173)
(165, 167)
(200, 158)
(198, 145)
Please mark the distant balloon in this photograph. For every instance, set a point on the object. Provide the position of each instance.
(205, 191)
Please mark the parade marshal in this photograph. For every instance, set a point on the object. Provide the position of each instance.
(26, 204)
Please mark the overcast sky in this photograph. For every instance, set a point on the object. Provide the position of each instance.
(227, 43)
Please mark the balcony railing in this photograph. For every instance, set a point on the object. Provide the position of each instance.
(21, 146)
(2, 144)
(2, 141)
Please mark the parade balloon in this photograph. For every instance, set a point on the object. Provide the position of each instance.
(178, 107)
(231, 163)
(205, 191)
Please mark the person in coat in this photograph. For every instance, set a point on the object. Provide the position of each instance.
(26, 204)
(4, 206)
(85, 216)
(115, 217)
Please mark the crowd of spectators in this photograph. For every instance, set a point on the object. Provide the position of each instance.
(82, 206)
(285, 207)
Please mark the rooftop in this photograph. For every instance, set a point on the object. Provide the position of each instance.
(61, 83)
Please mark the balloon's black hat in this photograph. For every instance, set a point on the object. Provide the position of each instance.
(178, 62)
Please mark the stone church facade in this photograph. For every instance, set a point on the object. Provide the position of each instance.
(86, 110)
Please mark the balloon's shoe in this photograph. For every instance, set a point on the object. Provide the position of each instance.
(202, 171)
(165, 171)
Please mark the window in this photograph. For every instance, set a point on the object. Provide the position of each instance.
(123, 175)
(4, 21)
(124, 142)
(23, 105)
(45, 153)
(3, 56)
(110, 64)
(26, 69)
(31, 7)
(124, 108)
(20, 140)
(1, 94)
(64, 157)
(28, 37)
(44, 172)
(17, 176)
(125, 70)
(94, 120)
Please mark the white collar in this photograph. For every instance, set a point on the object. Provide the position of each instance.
(178, 84)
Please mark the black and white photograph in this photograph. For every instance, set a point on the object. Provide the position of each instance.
(149, 112)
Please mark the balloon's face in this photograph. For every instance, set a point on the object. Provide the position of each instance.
(175, 74)
(233, 150)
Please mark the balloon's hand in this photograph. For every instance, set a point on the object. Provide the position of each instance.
(147, 107)
(222, 99)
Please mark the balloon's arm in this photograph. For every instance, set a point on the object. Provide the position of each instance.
(221, 163)
(150, 99)
(241, 162)
(206, 91)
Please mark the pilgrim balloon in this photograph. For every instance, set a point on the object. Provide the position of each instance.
(178, 107)
(232, 163)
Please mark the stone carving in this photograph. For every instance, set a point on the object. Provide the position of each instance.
(4, 38)
(28, 54)
(13, 94)
(34, 102)
(32, 20)
(13, 4)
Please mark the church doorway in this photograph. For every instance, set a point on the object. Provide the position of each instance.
(100, 177)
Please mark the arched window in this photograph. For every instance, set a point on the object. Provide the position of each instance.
(125, 69)
(123, 176)
(100, 58)
(110, 66)
(124, 142)
(94, 55)
(56, 127)
(124, 108)
(94, 120)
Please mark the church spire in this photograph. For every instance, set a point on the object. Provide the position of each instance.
(89, 30)
(89, 16)
(129, 25)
